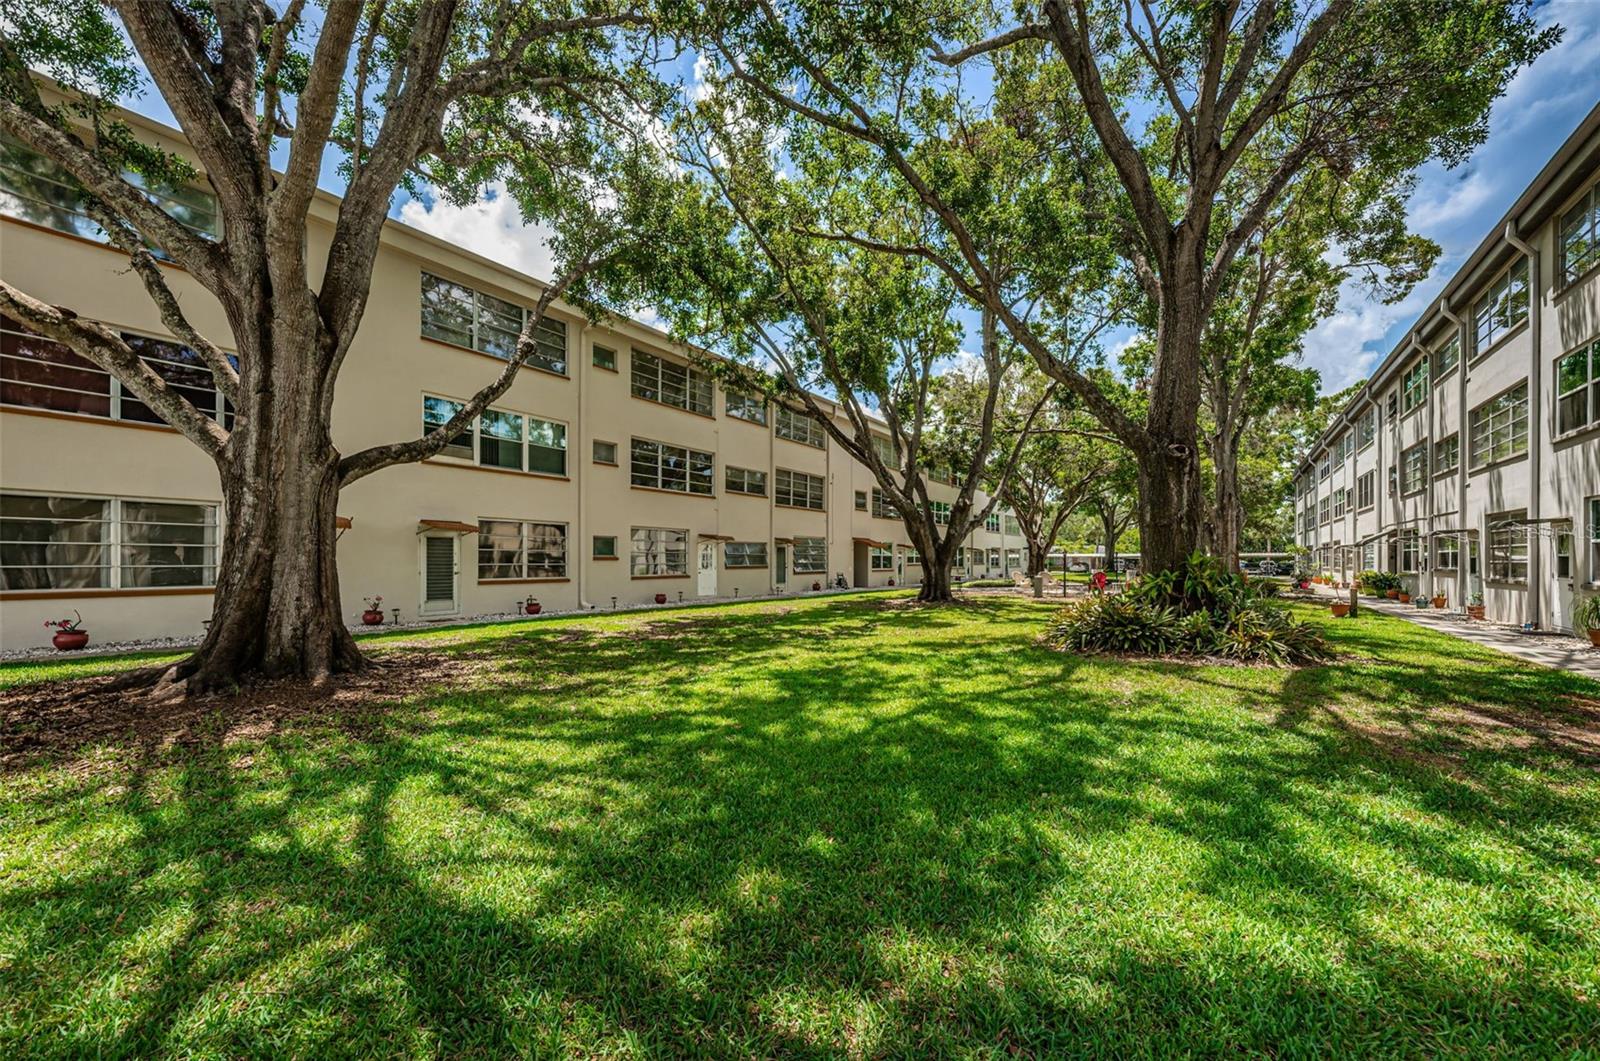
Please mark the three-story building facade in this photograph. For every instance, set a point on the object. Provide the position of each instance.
(1469, 462)
(614, 468)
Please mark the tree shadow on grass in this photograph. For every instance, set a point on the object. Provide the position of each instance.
(918, 835)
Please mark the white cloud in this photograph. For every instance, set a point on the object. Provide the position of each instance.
(491, 226)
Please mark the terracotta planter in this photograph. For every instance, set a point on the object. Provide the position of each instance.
(533, 607)
(1392, 594)
(1439, 602)
(372, 618)
(1341, 609)
(1405, 598)
(891, 582)
(1475, 611)
(661, 598)
(70, 640)
(1594, 638)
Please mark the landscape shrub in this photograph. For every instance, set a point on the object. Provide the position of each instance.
(1197, 609)
(1378, 582)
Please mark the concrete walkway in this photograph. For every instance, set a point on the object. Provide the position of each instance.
(1561, 651)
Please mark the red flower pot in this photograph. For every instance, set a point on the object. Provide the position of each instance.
(1475, 611)
(372, 618)
(816, 585)
(1594, 636)
(661, 598)
(1341, 609)
(533, 607)
(1392, 594)
(1405, 598)
(70, 640)
(1439, 602)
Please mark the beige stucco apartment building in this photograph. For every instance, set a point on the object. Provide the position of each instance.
(1470, 461)
(612, 470)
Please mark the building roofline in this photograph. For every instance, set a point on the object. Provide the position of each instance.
(1530, 208)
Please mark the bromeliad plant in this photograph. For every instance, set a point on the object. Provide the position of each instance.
(1196, 609)
(66, 626)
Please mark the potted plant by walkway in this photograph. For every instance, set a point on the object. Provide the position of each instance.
(373, 616)
(1475, 606)
(1341, 608)
(1439, 601)
(661, 598)
(1405, 596)
(532, 606)
(1588, 618)
(69, 633)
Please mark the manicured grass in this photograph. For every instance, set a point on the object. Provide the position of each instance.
(838, 827)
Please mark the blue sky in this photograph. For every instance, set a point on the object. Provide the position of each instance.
(1454, 207)
(1458, 207)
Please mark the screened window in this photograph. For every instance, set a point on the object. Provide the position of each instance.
(1367, 428)
(1594, 539)
(1508, 548)
(605, 357)
(745, 481)
(1325, 510)
(1410, 550)
(35, 189)
(991, 523)
(941, 512)
(1498, 429)
(501, 439)
(745, 407)
(810, 555)
(1013, 559)
(913, 557)
(681, 386)
(1338, 503)
(605, 452)
(105, 543)
(1414, 468)
(1447, 455)
(798, 427)
(1011, 524)
(798, 490)
(1447, 552)
(39, 373)
(1414, 385)
(605, 546)
(881, 507)
(744, 554)
(659, 551)
(521, 549)
(457, 314)
(663, 467)
(1502, 308)
(1579, 240)
(1325, 468)
(861, 500)
(1447, 356)
(1578, 389)
(881, 559)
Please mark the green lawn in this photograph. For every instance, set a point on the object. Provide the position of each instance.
(837, 827)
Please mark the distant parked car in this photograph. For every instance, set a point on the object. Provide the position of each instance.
(1269, 567)
(1079, 566)
(1249, 567)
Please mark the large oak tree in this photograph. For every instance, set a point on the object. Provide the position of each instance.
(556, 98)
(1170, 130)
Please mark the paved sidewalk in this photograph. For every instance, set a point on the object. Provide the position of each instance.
(1561, 651)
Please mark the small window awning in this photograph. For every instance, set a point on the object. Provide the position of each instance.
(341, 522)
(447, 525)
(874, 543)
(704, 536)
(783, 541)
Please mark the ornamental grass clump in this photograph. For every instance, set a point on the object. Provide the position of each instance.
(1197, 609)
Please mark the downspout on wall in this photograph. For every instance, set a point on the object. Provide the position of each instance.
(1463, 541)
(1535, 421)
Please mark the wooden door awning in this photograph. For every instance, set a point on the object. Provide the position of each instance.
(447, 525)
(783, 541)
(874, 543)
(715, 537)
(341, 522)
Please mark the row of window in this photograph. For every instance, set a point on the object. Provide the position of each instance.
(514, 550)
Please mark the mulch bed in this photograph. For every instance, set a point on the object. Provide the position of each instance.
(52, 720)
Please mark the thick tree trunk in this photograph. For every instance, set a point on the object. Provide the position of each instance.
(1108, 537)
(1171, 501)
(1038, 557)
(277, 611)
(936, 554)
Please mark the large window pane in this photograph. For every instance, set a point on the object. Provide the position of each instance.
(659, 551)
(166, 544)
(38, 373)
(547, 447)
(436, 412)
(500, 440)
(54, 542)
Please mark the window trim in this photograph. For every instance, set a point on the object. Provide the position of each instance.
(634, 574)
(791, 472)
(595, 457)
(778, 414)
(745, 473)
(689, 453)
(1588, 203)
(1518, 520)
(523, 525)
(1527, 441)
(451, 460)
(766, 556)
(1479, 352)
(690, 372)
(566, 357)
(1590, 387)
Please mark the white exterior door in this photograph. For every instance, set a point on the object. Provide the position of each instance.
(441, 569)
(708, 569)
(1563, 591)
